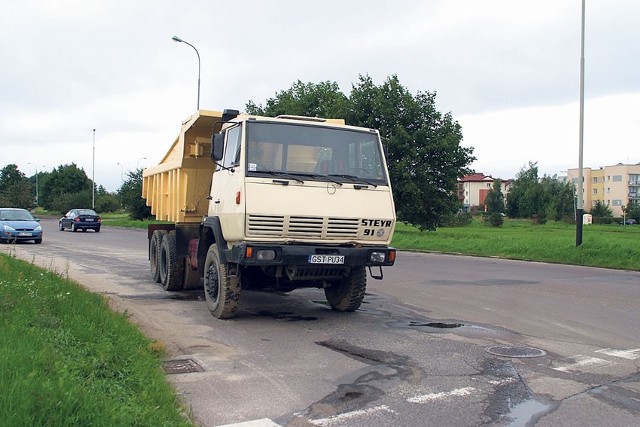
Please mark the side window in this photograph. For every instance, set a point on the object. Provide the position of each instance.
(232, 150)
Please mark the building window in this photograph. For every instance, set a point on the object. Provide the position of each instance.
(616, 203)
(595, 179)
(617, 178)
(608, 190)
(595, 191)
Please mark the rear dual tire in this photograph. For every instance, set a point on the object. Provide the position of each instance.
(171, 268)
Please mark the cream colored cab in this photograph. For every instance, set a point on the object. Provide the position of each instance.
(293, 180)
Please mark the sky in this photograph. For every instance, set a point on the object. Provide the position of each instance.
(507, 70)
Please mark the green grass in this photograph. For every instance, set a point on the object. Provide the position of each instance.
(66, 359)
(123, 220)
(610, 246)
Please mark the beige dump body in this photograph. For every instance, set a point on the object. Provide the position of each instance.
(178, 187)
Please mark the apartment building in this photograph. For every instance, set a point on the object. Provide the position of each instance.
(473, 189)
(616, 186)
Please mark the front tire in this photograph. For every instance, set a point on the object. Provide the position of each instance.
(60, 226)
(73, 228)
(170, 271)
(221, 291)
(348, 294)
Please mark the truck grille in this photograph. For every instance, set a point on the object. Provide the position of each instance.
(302, 227)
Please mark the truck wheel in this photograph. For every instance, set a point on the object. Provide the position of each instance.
(170, 265)
(348, 294)
(220, 291)
(154, 254)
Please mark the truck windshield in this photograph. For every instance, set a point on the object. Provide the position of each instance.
(314, 152)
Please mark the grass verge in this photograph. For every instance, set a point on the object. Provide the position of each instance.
(610, 246)
(67, 359)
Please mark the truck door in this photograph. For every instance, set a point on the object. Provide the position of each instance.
(226, 188)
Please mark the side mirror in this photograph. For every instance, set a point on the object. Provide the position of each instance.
(217, 147)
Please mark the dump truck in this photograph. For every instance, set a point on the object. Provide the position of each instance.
(277, 203)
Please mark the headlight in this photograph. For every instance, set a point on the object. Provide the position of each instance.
(38, 228)
(266, 255)
(8, 228)
(378, 257)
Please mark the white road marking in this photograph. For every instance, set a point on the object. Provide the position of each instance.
(625, 354)
(442, 395)
(582, 361)
(503, 382)
(326, 422)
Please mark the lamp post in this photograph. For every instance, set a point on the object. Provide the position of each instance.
(179, 40)
(580, 209)
(138, 162)
(29, 163)
(121, 174)
(93, 173)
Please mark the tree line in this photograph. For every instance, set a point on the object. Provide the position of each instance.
(67, 187)
(543, 199)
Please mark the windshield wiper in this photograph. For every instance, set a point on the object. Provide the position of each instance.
(282, 174)
(315, 175)
(354, 178)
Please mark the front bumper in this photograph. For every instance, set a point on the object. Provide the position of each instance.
(311, 256)
(19, 235)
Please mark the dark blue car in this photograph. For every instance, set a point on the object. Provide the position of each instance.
(18, 225)
(80, 219)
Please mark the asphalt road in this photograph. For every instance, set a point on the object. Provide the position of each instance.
(442, 340)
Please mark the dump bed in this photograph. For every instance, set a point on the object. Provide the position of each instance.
(178, 187)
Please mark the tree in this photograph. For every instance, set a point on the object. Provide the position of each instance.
(423, 146)
(495, 205)
(15, 188)
(322, 99)
(105, 201)
(527, 198)
(67, 187)
(633, 211)
(131, 196)
(560, 198)
(602, 214)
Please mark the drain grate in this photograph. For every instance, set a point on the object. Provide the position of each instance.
(511, 351)
(182, 366)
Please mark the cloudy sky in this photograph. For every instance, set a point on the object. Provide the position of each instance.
(507, 70)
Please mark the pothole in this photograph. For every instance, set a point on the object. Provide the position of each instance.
(182, 366)
(515, 351)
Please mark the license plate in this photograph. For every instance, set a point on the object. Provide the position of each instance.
(88, 219)
(24, 234)
(326, 259)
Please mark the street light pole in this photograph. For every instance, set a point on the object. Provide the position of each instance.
(580, 208)
(138, 162)
(121, 174)
(179, 40)
(36, 181)
(93, 173)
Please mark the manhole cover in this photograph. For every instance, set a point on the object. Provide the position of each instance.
(182, 366)
(510, 351)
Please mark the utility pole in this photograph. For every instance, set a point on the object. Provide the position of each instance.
(580, 209)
